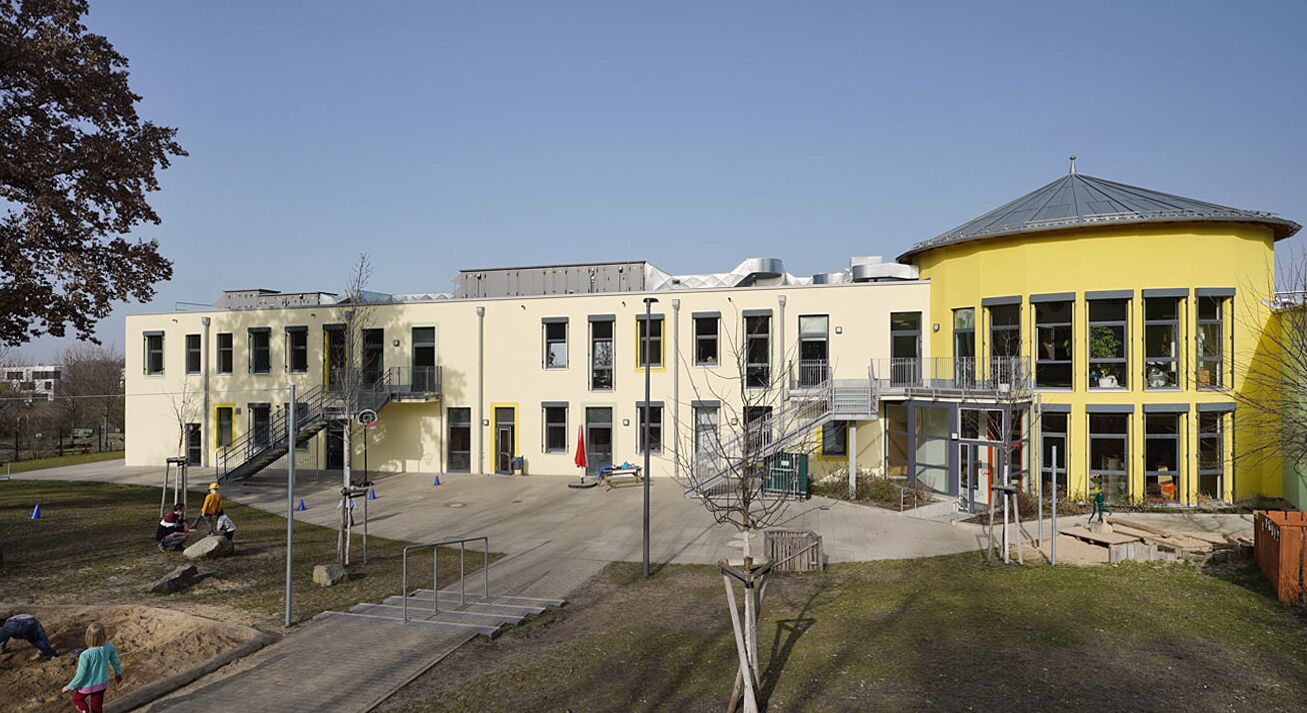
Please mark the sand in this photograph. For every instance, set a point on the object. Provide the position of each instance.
(152, 643)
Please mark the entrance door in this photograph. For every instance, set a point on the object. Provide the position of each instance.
(976, 474)
(598, 438)
(504, 440)
(336, 446)
(333, 356)
(194, 444)
(905, 348)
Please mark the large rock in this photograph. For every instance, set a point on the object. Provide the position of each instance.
(209, 548)
(326, 575)
(178, 579)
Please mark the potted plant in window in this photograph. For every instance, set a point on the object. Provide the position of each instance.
(1103, 344)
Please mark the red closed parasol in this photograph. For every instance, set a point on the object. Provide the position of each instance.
(580, 447)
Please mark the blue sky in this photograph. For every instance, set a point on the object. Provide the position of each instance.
(437, 135)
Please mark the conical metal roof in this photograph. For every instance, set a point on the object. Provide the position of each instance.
(1076, 200)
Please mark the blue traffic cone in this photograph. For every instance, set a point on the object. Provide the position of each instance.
(36, 512)
(372, 494)
(300, 507)
(437, 482)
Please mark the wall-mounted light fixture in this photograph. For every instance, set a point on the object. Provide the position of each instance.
(626, 422)
(485, 422)
(394, 342)
(839, 329)
(935, 327)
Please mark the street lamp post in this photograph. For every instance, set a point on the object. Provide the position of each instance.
(648, 359)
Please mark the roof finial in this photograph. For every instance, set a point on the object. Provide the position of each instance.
(1073, 164)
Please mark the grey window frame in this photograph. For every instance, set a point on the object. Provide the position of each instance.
(813, 374)
(1176, 358)
(153, 345)
(1050, 471)
(194, 354)
(653, 411)
(1069, 327)
(228, 350)
(1124, 438)
(546, 325)
(701, 410)
(995, 330)
(463, 420)
(964, 366)
(655, 341)
(1218, 434)
(253, 364)
(293, 350)
(757, 375)
(611, 368)
(1124, 359)
(1219, 358)
(842, 439)
(1149, 472)
(701, 339)
(229, 434)
(548, 412)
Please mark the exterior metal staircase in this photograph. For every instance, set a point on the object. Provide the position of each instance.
(260, 447)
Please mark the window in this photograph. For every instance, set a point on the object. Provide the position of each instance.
(1161, 345)
(192, 353)
(1108, 344)
(1109, 439)
(260, 353)
(964, 346)
(556, 344)
(225, 357)
(261, 423)
(814, 349)
(460, 439)
(601, 355)
(1210, 342)
(706, 340)
(757, 351)
(555, 429)
(905, 348)
(896, 439)
(1005, 331)
(654, 413)
(226, 421)
(757, 428)
(374, 349)
(154, 353)
(1162, 456)
(1052, 436)
(705, 435)
(835, 439)
(297, 340)
(654, 327)
(1053, 364)
(1211, 455)
(424, 359)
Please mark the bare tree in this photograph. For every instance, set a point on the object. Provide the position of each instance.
(1009, 382)
(185, 408)
(90, 389)
(733, 466)
(1271, 392)
(354, 385)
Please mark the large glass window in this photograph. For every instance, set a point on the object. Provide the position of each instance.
(905, 348)
(1161, 342)
(896, 440)
(757, 351)
(226, 424)
(1162, 456)
(1209, 342)
(654, 414)
(601, 355)
(556, 345)
(374, 351)
(706, 446)
(1108, 344)
(460, 439)
(424, 358)
(1109, 450)
(706, 341)
(835, 439)
(154, 353)
(1211, 455)
(260, 351)
(964, 346)
(1005, 331)
(555, 429)
(932, 445)
(297, 341)
(192, 353)
(1053, 441)
(653, 329)
(1053, 363)
(226, 354)
(814, 349)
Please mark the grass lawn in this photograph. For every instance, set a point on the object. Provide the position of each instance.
(95, 543)
(942, 634)
(24, 466)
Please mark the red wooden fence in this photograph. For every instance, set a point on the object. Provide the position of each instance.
(1280, 547)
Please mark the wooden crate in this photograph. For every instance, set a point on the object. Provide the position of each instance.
(1280, 548)
(794, 550)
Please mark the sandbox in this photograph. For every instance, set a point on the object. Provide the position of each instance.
(160, 650)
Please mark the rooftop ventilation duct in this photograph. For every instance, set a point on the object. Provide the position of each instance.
(830, 278)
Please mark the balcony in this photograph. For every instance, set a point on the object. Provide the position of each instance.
(376, 387)
(413, 383)
(952, 377)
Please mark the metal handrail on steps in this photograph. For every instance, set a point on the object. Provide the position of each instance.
(435, 571)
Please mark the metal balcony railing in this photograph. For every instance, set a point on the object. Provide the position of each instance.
(954, 374)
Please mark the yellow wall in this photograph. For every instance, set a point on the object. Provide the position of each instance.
(1120, 258)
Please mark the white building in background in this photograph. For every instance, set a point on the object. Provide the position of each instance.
(39, 382)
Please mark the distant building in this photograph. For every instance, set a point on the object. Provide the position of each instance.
(39, 382)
